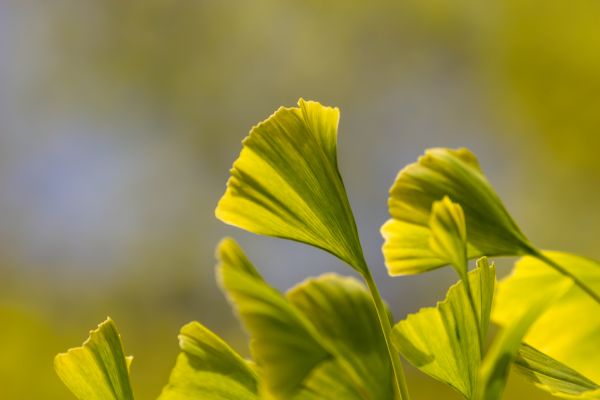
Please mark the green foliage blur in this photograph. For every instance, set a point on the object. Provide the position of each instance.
(119, 121)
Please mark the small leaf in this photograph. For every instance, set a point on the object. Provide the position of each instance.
(98, 370)
(342, 311)
(448, 238)
(208, 369)
(443, 341)
(284, 344)
(569, 331)
(495, 367)
(286, 183)
(553, 376)
(454, 173)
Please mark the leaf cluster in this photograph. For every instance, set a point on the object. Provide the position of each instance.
(333, 337)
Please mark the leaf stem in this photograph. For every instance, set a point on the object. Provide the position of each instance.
(384, 321)
(547, 260)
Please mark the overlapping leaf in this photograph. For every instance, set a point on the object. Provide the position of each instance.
(553, 376)
(286, 183)
(98, 370)
(438, 173)
(343, 313)
(443, 341)
(569, 331)
(495, 367)
(283, 343)
(321, 342)
(208, 369)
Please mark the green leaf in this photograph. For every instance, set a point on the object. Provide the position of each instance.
(553, 376)
(284, 345)
(286, 183)
(342, 311)
(495, 367)
(208, 369)
(98, 370)
(448, 238)
(321, 341)
(443, 341)
(569, 331)
(439, 173)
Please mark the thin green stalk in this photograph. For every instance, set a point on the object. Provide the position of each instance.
(399, 378)
(475, 315)
(542, 257)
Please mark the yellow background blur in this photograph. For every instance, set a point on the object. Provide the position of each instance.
(120, 119)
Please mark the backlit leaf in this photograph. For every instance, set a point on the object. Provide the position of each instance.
(342, 311)
(208, 369)
(443, 341)
(439, 173)
(321, 341)
(496, 365)
(98, 370)
(569, 331)
(448, 237)
(286, 183)
(553, 376)
(283, 344)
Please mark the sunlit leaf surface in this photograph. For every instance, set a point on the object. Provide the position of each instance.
(321, 341)
(553, 376)
(569, 331)
(448, 237)
(98, 370)
(286, 183)
(208, 369)
(439, 173)
(443, 341)
(283, 343)
(496, 365)
(342, 311)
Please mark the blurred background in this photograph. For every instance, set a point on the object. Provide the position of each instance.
(119, 121)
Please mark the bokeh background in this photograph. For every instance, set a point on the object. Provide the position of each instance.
(120, 119)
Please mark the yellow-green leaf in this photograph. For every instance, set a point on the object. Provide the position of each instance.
(554, 377)
(98, 370)
(286, 183)
(569, 331)
(443, 341)
(283, 344)
(495, 367)
(208, 369)
(448, 238)
(342, 311)
(438, 173)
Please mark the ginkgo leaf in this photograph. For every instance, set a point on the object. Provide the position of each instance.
(342, 311)
(439, 173)
(448, 238)
(554, 377)
(98, 370)
(208, 369)
(569, 331)
(496, 365)
(443, 341)
(321, 341)
(283, 344)
(286, 183)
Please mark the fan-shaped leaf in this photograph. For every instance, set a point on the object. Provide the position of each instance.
(448, 238)
(98, 370)
(553, 376)
(569, 331)
(208, 369)
(286, 183)
(443, 341)
(342, 311)
(438, 173)
(284, 345)
(495, 367)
